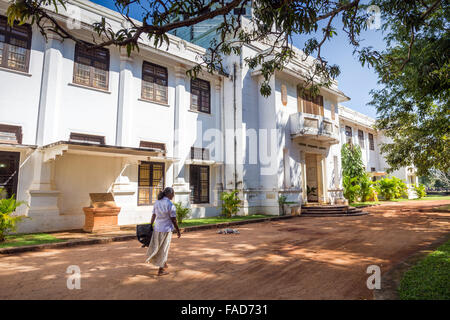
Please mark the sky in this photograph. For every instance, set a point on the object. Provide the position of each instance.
(355, 80)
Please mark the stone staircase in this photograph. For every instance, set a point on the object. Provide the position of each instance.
(316, 210)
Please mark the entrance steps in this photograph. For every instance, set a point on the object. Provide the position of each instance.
(331, 210)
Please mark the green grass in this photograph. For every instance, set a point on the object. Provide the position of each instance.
(360, 204)
(213, 220)
(435, 198)
(429, 279)
(20, 240)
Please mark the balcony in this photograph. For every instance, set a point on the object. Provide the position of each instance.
(313, 128)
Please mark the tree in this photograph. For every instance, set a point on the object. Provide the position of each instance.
(352, 164)
(353, 173)
(413, 105)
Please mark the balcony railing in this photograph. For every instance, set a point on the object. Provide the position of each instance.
(314, 127)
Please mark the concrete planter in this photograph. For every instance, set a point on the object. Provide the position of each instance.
(101, 219)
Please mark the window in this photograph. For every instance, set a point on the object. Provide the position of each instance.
(199, 153)
(239, 11)
(200, 95)
(199, 182)
(371, 143)
(372, 169)
(361, 138)
(91, 67)
(86, 138)
(10, 134)
(15, 44)
(153, 145)
(348, 134)
(154, 82)
(9, 172)
(150, 182)
(312, 105)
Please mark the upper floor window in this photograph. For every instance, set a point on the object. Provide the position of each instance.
(91, 67)
(10, 134)
(200, 95)
(86, 138)
(312, 105)
(199, 153)
(15, 45)
(239, 11)
(361, 138)
(348, 134)
(371, 142)
(333, 112)
(154, 82)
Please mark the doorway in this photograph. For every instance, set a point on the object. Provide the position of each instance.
(9, 172)
(312, 179)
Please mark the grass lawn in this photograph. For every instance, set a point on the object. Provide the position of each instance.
(213, 220)
(19, 240)
(429, 279)
(361, 204)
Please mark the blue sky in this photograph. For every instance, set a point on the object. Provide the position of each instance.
(355, 81)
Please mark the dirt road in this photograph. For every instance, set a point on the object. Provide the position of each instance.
(299, 258)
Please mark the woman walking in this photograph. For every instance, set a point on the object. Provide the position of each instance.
(165, 218)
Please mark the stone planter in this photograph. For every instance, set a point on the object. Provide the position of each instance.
(296, 210)
(101, 219)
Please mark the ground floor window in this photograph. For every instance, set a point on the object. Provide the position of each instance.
(150, 182)
(199, 182)
(9, 172)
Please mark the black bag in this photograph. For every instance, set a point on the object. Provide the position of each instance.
(144, 234)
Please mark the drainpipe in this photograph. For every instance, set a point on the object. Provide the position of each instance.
(224, 177)
(235, 137)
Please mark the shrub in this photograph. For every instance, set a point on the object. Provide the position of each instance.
(281, 202)
(401, 189)
(8, 221)
(366, 190)
(351, 188)
(182, 212)
(230, 203)
(420, 190)
(386, 187)
(310, 191)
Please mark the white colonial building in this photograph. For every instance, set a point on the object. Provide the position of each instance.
(75, 122)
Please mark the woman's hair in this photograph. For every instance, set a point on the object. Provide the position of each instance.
(166, 192)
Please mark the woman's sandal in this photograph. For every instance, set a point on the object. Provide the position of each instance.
(162, 273)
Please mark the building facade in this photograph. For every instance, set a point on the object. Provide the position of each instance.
(75, 122)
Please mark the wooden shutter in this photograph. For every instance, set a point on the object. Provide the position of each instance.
(199, 183)
(150, 182)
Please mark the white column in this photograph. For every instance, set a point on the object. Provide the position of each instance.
(47, 130)
(181, 147)
(324, 178)
(125, 103)
(303, 175)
